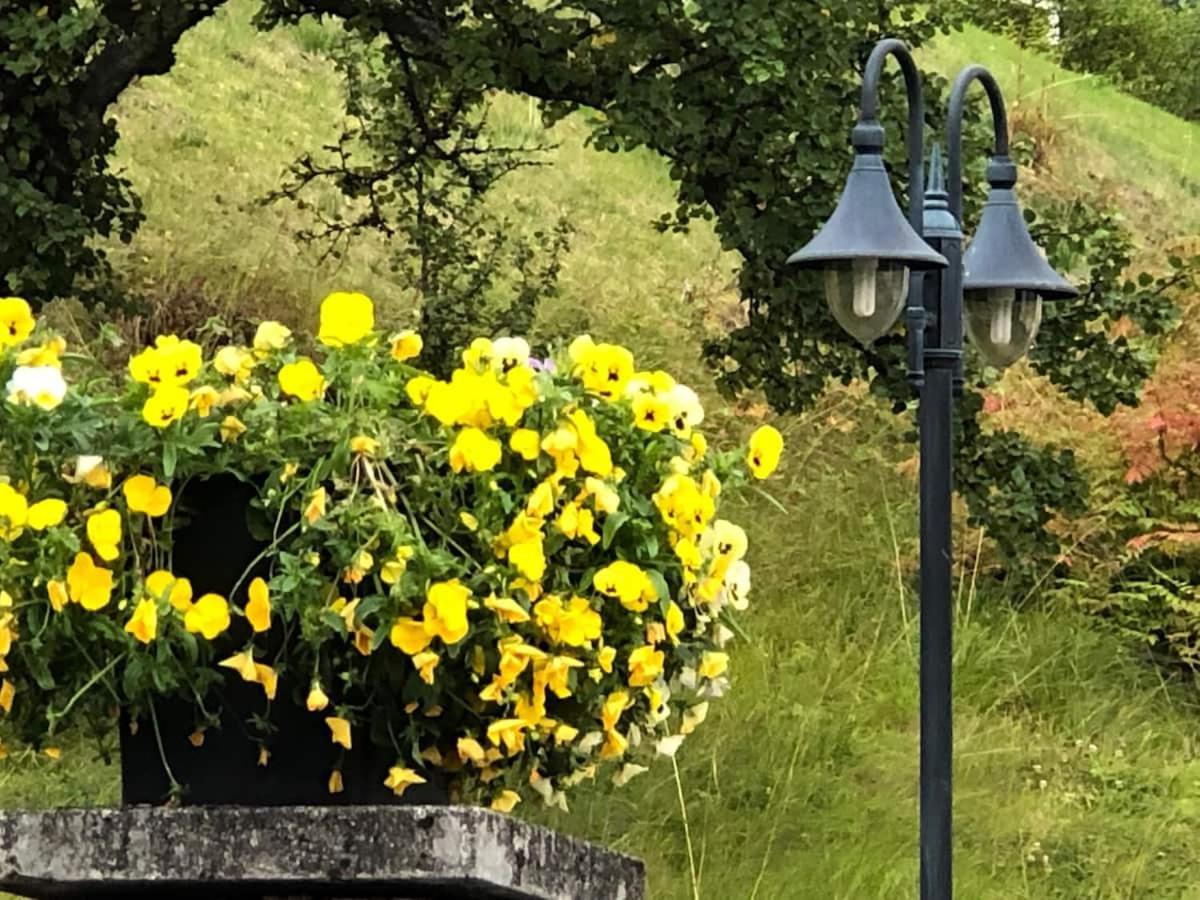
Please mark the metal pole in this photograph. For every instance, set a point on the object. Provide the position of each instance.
(942, 351)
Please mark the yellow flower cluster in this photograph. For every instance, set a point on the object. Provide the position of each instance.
(521, 566)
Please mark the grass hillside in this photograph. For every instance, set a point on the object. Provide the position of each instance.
(1077, 774)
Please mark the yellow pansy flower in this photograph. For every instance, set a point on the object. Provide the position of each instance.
(46, 514)
(243, 664)
(16, 321)
(268, 678)
(409, 635)
(713, 664)
(56, 591)
(143, 624)
(418, 389)
(406, 345)
(445, 610)
(14, 512)
(674, 622)
(316, 506)
(529, 558)
(479, 355)
(627, 583)
(604, 369)
(302, 379)
(505, 801)
(400, 779)
(208, 616)
(425, 663)
(45, 354)
(474, 451)
(470, 750)
(339, 730)
(614, 705)
(234, 362)
(508, 732)
(364, 445)
(317, 699)
(162, 584)
(526, 443)
(645, 666)
(232, 428)
(651, 412)
(392, 570)
(8, 693)
(258, 609)
(605, 496)
(554, 673)
(203, 399)
(166, 405)
(346, 318)
(605, 659)
(594, 454)
(271, 336)
(574, 624)
(89, 585)
(508, 609)
(144, 495)
(766, 446)
(104, 531)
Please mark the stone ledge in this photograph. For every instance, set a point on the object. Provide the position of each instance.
(304, 852)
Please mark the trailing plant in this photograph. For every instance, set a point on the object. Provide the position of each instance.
(511, 576)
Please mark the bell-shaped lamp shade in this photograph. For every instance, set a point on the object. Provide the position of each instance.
(866, 250)
(1005, 280)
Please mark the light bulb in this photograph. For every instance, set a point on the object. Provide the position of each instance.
(866, 295)
(864, 272)
(1001, 301)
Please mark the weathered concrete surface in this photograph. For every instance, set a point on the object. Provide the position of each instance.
(302, 852)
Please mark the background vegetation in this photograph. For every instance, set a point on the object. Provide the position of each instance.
(1077, 770)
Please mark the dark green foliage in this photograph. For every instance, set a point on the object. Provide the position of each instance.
(1147, 47)
(1098, 349)
(56, 191)
(1102, 347)
(61, 66)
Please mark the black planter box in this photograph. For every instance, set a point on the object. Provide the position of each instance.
(213, 549)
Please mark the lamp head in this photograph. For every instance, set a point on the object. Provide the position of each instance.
(1005, 276)
(867, 248)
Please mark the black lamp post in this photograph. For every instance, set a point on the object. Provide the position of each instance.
(867, 251)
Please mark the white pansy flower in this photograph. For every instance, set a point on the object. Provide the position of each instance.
(37, 386)
(508, 353)
(686, 410)
(669, 746)
(628, 771)
(737, 585)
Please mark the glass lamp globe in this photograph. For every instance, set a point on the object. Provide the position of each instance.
(866, 295)
(1002, 322)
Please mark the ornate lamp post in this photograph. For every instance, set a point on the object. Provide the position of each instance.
(872, 259)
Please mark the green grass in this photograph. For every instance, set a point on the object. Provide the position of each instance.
(1100, 139)
(1077, 774)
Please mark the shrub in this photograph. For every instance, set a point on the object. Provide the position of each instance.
(513, 575)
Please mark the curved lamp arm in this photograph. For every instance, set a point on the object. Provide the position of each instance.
(958, 98)
(868, 135)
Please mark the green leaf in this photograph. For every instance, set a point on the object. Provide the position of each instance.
(612, 524)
